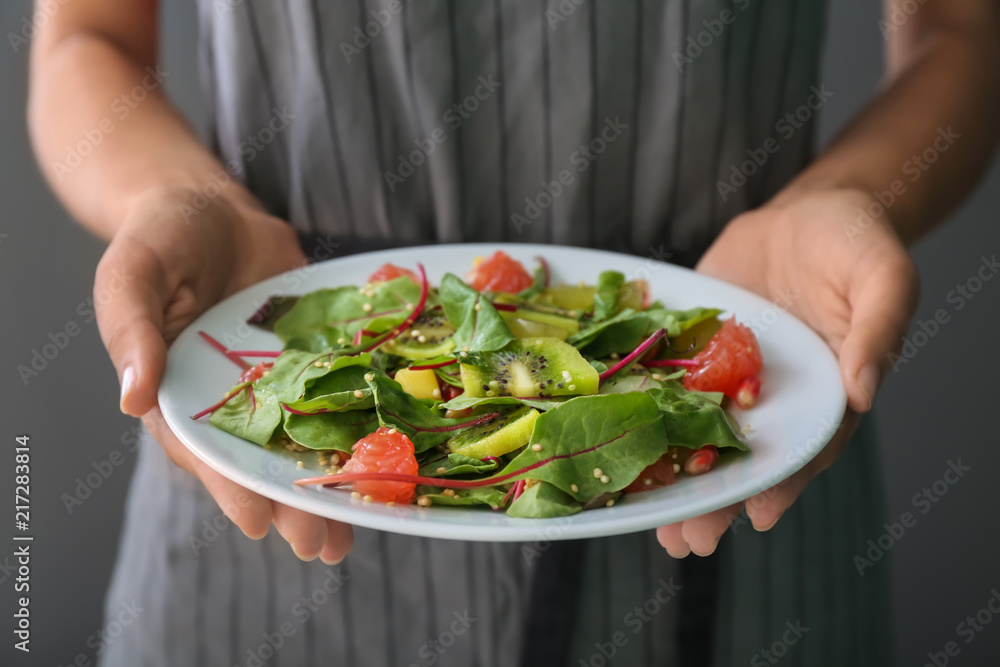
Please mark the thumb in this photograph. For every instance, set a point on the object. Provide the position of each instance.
(129, 298)
(882, 303)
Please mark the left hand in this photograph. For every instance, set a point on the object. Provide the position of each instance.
(857, 288)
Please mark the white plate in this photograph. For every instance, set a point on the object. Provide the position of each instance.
(801, 403)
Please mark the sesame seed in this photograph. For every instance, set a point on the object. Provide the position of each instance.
(318, 364)
(647, 482)
(436, 393)
(539, 341)
(409, 305)
(390, 503)
(367, 499)
(341, 340)
(335, 459)
(479, 306)
(327, 364)
(466, 348)
(572, 387)
(610, 503)
(491, 393)
(414, 333)
(605, 479)
(358, 393)
(266, 373)
(615, 355)
(369, 377)
(442, 469)
(673, 455)
(677, 467)
(457, 496)
(355, 494)
(300, 464)
(367, 308)
(424, 501)
(598, 472)
(463, 353)
(392, 431)
(574, 488)
(422, 339)
(448, 492)
(537, 447)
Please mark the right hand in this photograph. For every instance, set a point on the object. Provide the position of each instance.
(158, 274)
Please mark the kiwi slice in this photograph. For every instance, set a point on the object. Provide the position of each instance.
(572, 297)
(539, 367)
(510, 431)
(537, 312)
(523, 328)
(429, 337)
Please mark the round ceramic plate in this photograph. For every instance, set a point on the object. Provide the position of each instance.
(801, 403)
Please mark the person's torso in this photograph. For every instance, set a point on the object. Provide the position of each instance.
(640, 125)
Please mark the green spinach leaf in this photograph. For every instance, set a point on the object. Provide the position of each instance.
(620, 434)
(692, 419)
(421, 423)
(334, 430)
(677, 322)
(456, 464)
(543, 501)
(478, 326)
(617, 335)
(609, 284)
(489, 495)
(329, 318)
(249, 417)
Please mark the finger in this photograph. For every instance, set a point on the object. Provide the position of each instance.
(765, 508)
(881, 306)
(129, 296)
(250, 511)
(703, 533)
(671, 539)
(305, 533)
(339, 540)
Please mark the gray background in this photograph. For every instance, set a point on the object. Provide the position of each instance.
(938, 407)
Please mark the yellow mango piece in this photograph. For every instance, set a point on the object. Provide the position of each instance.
(419, 384)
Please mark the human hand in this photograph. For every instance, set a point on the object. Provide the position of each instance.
(168, 262)
(858, 291)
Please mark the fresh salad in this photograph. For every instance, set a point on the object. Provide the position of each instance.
(500, 389)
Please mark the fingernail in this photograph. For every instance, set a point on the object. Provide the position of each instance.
(256, 538)
(307, 559)
(128, 384)
(764, 529)
(332, 562)
(703, 554)
(867, 379)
